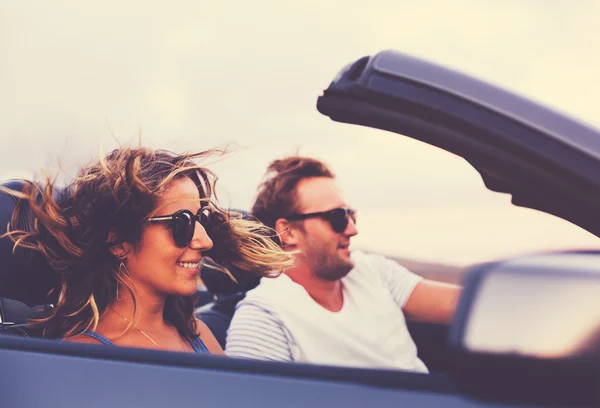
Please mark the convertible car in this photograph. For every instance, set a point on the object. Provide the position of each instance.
(527, 331)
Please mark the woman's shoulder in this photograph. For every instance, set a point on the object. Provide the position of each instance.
(202, 329)
(208, 337)
(200, 326)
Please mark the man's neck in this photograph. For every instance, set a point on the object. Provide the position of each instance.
(326, 293)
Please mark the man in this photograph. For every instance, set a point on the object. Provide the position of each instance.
(334, 307)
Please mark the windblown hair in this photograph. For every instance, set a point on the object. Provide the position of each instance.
(277, 196)
(111, 199)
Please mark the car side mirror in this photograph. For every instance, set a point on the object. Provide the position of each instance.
(524, 326)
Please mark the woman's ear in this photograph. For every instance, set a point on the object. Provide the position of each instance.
(286, 233)
(118, 250)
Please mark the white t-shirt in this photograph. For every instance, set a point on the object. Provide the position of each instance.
(279, 321)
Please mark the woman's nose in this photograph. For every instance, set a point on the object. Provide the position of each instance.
(201, 240)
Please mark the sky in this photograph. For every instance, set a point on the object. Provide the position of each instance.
(78, 78)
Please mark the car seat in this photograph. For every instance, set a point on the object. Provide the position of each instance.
(226, 293)
(26, 278)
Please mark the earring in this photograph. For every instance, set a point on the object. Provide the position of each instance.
(121, 268)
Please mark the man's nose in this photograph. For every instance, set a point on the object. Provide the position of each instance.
(350, 230)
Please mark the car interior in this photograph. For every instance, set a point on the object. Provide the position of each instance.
(25, 279)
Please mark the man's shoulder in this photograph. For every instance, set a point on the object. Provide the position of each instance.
(368, 265)
(368, 261)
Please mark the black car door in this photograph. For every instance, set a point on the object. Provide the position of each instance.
(46, 373)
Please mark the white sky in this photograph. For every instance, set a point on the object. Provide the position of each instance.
(195, 74)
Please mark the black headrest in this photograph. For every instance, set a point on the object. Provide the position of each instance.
(25, 275)
(15, 312)
(219, 283)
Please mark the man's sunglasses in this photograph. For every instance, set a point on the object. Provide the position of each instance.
(338, 218)
(183, 224)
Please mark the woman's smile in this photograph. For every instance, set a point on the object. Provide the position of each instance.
(188, 265)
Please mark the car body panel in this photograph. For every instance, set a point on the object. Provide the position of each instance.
(99, 376)
(545, 120)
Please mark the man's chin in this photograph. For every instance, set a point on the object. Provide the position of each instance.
(338, 272)
(346, 259)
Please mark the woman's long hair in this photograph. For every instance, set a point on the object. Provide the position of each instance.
(107, 204)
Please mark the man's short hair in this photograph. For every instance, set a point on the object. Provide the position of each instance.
(277, 193)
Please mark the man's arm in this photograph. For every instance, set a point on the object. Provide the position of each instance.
(420, 299)
(258, 334)
(432, 301)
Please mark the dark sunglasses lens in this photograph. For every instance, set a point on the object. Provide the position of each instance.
(338, 219)
(352, 215)
(204, 217)
(183, 229)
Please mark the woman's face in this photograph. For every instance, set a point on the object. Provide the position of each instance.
(157, 265)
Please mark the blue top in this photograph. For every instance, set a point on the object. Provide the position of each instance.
(197, 344)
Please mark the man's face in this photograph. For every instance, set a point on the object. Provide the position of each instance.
(326, 252)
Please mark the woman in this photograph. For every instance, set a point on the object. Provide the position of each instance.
(127, 236)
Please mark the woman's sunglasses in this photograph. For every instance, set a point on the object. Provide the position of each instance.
(183, 224)
(338, 218)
